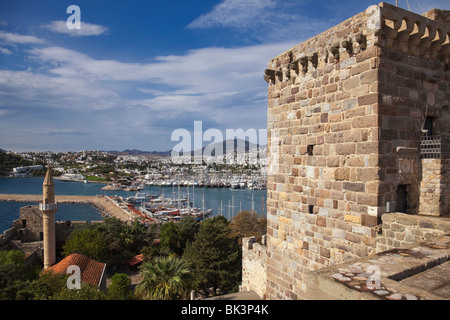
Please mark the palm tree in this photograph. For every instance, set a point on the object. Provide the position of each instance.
(166, 278)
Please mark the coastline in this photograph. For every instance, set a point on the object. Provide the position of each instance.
(106, 208)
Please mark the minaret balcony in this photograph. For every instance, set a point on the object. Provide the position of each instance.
(48, 206)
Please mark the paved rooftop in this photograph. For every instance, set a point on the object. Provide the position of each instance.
(237, 296)
(419, 272)
(435, 280)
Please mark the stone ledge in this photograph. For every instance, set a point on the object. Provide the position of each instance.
(381, 276)
(432, 222)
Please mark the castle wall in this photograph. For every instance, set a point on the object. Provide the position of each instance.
(254, 259)
(414, 88)
(323, 128)
(435, 187)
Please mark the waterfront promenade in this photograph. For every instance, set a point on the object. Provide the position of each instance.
(105, 206)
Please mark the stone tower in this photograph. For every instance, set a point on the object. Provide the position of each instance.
(48, 208)
(358, 126)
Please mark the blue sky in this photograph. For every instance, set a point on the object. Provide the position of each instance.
(137, 70)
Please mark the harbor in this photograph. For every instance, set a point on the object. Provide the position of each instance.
(148, 203)
(234, 182)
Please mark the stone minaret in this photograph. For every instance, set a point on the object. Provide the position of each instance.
(48, 208)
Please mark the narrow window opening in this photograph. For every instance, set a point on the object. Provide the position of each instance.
(402, 195)
(309, 149)
(428, 126)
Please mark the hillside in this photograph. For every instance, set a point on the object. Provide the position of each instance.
(9, 161)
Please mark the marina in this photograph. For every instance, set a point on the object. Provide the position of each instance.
(239, 182)
(148, 204)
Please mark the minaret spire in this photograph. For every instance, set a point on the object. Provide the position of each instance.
(48, 208)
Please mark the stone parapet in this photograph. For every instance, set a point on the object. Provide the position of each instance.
(401, 230)
(415, 34)
(254, 260)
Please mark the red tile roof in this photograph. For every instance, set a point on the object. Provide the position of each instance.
(91, 270)
(135, 260)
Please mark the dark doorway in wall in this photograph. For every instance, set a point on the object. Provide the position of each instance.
(402, 195)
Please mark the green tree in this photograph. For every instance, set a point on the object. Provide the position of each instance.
(170, 237)
(248, 224)
(175, 236)
(189, 228)
(125, 241)
(120, 287)
(167, 278)
(15, 257)
(215, 256)
(15, 276)
(89, 242)
(86, 292)
(111, 241)
(47, 285)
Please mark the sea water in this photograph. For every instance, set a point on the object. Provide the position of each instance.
(10, 211)
(225, 201)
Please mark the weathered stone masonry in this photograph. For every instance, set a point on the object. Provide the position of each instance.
(346, 112)
(254, 276)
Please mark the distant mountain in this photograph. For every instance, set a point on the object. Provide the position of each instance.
(238, 145)
(135, 152)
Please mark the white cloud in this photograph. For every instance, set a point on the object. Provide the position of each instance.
(266, 21)
(87, 29)
(20, 89)
(235, 14)
(14, 38)
(119, 101)
(228, 70)
(5, 51)
(58, 132)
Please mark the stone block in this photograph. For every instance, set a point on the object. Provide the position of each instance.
(351, 83)
(333, 161)
(352, 218)
(354, 186)
(369, 76)
(321, 221)
(365, 122)
(353, 237)
(368, 99)
(367, 199)
(345, 148)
